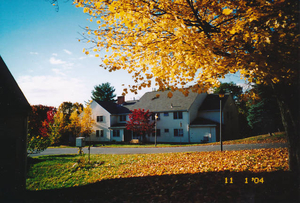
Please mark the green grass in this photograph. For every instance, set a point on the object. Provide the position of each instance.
(61, 146)
(62, 171)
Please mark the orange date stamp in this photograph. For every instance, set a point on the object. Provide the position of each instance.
(255, 180)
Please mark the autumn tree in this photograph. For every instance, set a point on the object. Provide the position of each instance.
(103, 92)
(54, 129)
(181, 43)
(66, 129)
(87, 121)
(75, 121)
(140, 122)
(39, 131)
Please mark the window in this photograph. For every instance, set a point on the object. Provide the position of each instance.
(99, 118)
(177, 115)
(178, 132)
(99, 133)
(166, 130)
(122, 117)
(157, 133)
(166, 114)
(116, 133)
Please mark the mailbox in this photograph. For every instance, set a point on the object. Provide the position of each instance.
(80, 142)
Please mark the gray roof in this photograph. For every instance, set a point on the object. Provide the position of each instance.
(158, 101)
(113, 108)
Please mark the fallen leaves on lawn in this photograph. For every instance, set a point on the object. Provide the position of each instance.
(58, 172)
(257, 160)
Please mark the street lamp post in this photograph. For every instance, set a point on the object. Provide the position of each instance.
(221, 95)
(156, 117)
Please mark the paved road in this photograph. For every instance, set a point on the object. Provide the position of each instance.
(103, 150)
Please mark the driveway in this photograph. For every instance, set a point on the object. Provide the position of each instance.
(104, 150)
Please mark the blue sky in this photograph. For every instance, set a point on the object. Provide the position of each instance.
(41, 49)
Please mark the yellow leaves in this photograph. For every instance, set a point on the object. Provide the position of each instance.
(170, 94)
(175, 52)
(123, 59)
(233, 31)
(86, 10)
(260, 160)
(275, 80)
(105, 61)
(227, 11)
(111, 8)
(87, 121)
(196, 166)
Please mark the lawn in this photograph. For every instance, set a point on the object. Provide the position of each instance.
(230, 176)
(258, 175)
(62, 171)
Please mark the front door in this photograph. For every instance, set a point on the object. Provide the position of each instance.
(127, 135)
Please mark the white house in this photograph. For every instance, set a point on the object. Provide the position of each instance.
(110, 121)
(191, 119)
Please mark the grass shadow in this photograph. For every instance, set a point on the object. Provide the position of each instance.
(32, 161)
(276, 186)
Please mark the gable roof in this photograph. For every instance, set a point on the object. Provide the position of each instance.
(113, 108)
(162, 103)
(11, 96)
(212, 102)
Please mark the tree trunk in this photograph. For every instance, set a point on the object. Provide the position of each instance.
(288, 102)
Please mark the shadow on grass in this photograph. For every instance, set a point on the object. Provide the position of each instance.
(202, 187)
(32, 161)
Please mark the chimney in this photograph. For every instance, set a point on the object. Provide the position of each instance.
(121, 100)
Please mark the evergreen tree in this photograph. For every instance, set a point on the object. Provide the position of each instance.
(263, 115)
(103, 92)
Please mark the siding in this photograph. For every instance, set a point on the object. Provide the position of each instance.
(168, 122)
(99, 111)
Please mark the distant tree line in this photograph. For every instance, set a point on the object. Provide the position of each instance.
(258, 114)
(50, 126)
